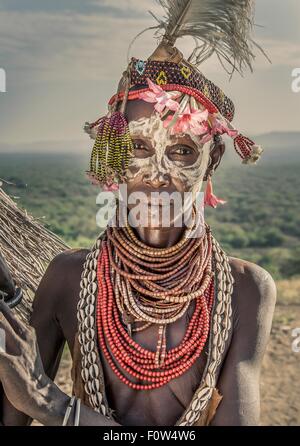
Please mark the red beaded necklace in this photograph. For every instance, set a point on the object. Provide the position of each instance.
(150, 369)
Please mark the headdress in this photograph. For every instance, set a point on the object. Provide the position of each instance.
(184, 97)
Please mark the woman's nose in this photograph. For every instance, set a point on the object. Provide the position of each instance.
(157, 181)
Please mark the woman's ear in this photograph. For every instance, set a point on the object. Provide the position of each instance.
(216, 154)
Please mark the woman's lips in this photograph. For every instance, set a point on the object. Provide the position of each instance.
(154, 201)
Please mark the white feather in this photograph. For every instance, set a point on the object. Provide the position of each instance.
(219, 26)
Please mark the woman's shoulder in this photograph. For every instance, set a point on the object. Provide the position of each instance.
(62, 277)
(254, 288)
(68, 262)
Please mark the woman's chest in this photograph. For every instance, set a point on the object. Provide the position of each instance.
(160, 406)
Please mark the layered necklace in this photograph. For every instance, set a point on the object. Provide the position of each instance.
(139, 286)
(104, 308)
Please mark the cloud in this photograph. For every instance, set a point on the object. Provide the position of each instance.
(62, 6)
(63, 59)
(281, 53)
(51, 46)
(278, 19)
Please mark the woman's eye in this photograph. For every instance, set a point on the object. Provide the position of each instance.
(139, 146)
(183, 154)
(182, 150)
(141, 150)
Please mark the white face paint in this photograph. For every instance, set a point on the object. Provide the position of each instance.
(152, 129)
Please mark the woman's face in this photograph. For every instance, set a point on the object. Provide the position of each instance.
(162, 162)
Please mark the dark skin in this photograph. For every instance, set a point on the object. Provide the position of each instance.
(7, 284)
(29, 367)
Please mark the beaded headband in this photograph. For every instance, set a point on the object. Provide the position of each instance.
(183, 96)
(168, 73)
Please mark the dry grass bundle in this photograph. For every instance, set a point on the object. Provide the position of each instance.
(27, 248)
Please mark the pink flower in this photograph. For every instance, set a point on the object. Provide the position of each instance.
(161, 98)
(207, 137)
(210, 199)
(110, 187)
(191, 120)
(222, 126)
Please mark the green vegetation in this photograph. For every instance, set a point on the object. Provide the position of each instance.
(260, 222)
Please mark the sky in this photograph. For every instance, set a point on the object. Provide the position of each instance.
(63, 60)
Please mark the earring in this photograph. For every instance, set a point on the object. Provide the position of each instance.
(210, 199)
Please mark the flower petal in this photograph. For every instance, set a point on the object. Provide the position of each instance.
(148, 96)
(159, 107)
(172, 105)
(154, 87)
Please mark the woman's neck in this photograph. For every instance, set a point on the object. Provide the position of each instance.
(159, 237)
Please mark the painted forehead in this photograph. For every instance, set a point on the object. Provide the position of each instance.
(144, 121)
(152, 129)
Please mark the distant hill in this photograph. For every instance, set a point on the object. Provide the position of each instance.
(77, 146)
(278, 139)
(278, 147)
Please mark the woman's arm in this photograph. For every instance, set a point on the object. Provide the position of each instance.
(6, 281)
(239, 381)
(25, 382)
(30, 361)
(49, 338)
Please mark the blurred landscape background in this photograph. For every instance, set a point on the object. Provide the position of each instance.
(260, 223)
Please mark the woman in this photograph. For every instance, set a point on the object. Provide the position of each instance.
(170, 330)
